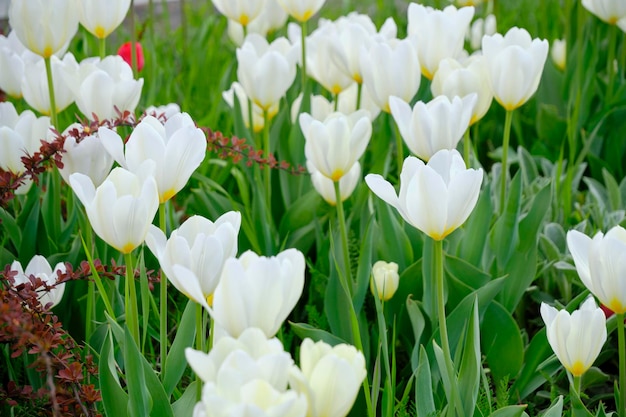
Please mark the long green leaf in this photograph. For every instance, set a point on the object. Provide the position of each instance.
(424, 399)
(175, 364)
(469, 372)
(140, 400)
(183, 407)
(502, 342)
(510, 411)
(114, 398)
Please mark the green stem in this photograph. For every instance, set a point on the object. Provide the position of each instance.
(621, 345)
(399, 146)
(443, 327)
(96, 277)
(303, 75)
(359, 93)
(199, 345)
(610, 66)
(53, 104)
(163, 298)
(251, 123)
(268, 152)
(91, 301)
(576, 385)
(467, 145)
(132, 315)
(133, 39)
(505, 151)
(336, 103)
(344, 237)
(102, 43)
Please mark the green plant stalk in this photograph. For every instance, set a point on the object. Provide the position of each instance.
(199, 346)
(303, 33)
(132, 315)
(336, 102)
(359, 94)
(399, 146)
(163, 298)
(251, 123)
(98, 281)
(133, 39)
(576, 384)
(443, 327)
(505, 150)
(267, 151)
(344, 238)
(467, 143)
(610, 67)
(621, 345)
(102, 44)
(53, 104)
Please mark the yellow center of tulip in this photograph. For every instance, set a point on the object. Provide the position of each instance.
(357, 78)
(244, 20)
(427, 73)
(612, 20)
(336, 175)
(616, 306)
(209, 300)
(335, 89)
(510, 106)
(47, 51)
(577, 368)
(127, 248)
(99, 32)
(167, 195)
(305, 16)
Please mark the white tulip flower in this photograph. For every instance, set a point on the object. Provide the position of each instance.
(102, 18)
(301, 10)
(40, 268)
(326, 188)
(88, 157)
(35, 83)
(241, 11)
(610, 11)
(558, 53)
(384, 280)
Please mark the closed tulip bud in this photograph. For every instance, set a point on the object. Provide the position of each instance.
(202, 247)
(271, 18)
(324, 70)
(102, 18)
(35, 83)
(125, 52)
(176, 147)
(122, 208)
(439, 33)
(88, 157)
(610, 11)
(266, 71)
(241, 11)
(435, 198)
(301, 10)
(391, 69)
(514, 63)
(325, 187)
(44, 26)
(40, 268)
(429, 128)
(575, 338)
(384, 280)
(256, 291)
(454, 78)
(601, 265)
(329, 376)
(337, 143)
(558, 53)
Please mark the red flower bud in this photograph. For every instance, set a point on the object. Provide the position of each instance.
(125, 50)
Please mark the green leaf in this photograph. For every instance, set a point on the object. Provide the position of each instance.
(183, 407)
(394, 245)
(176, 363)
(612, 189)
(29, 226)
(504, 235)
(364, 268)
(476, 229)
(446, 379)
(304, 330)
(502, 342)
(424, 400)
(556, 409)
(114, 399)
(417, 318)
(578, 408)
(140, 400)
(12, 230)
(469, 372)
(298, 222)
(510, 411)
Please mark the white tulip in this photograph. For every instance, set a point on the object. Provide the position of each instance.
(35, 83)
(102, 18)
(88, 157)
(40, 268)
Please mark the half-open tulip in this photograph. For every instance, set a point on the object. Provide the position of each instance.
(610, 11)
(301, 10)
(88, 157)
(122, 208)
(430, 127)
(241, 11)
(575, 338)
(35, 83)
(558, 53)
(384, 280)
(601, 265)
(435, 198)
(40, 268)
(326, 188)
(514, 63)
(102, 18)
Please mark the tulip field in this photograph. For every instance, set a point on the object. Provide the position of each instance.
(313, 208)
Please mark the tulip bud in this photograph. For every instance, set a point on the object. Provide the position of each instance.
(125, 51)
(40, 268)
(558, 53)
(384, 280)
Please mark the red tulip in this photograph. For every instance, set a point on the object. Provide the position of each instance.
(125, 50)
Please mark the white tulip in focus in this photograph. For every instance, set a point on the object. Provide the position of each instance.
(337, 143)
(122, 208)
(454, 78)
(514, 63)
(601, 265)
(610, 11)
(44, 26)
(384, 280)
(433, 126)
(329, 376)
(575, 338)
(88, 157)
(176, 147)
(301, 10)
(326, 188)
(101, 86)
(202, 247)
(102, 18)
(391, 69)
(257, 291)
(241, 11)
(35, 83)
(271, 18)
(40, 268)
(558, 53)
(440, 33)
(265, 70)
(435, 198)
